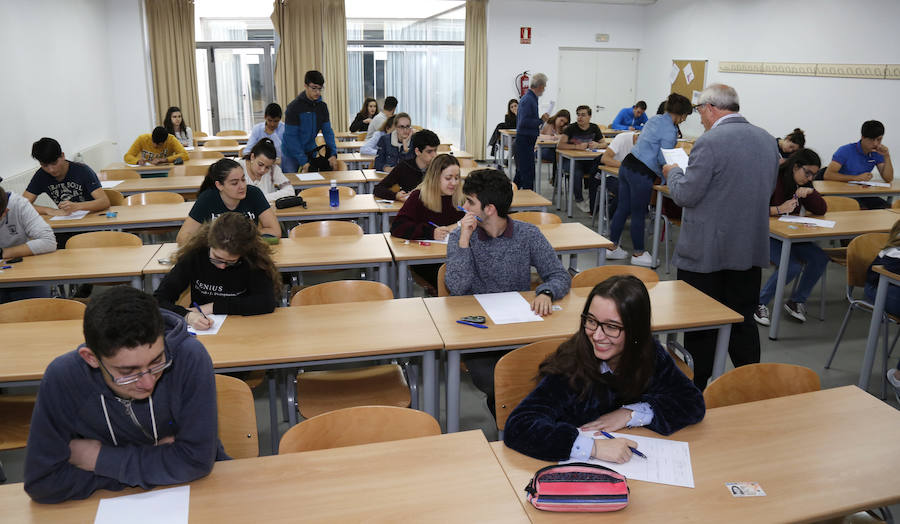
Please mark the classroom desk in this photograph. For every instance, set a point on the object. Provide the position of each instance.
(567, 238)
(573, 156)
(785, 444)
(506, 143)
(242, 139)
(540, 145)
(161, 168)
(318, 208)
(172, 184)
(225, 150)
(835, 188)
(676, 306)
(81, 266)
(350, 146)
(609, 132)
(353, 178)
(443, 478)
(128, 217)
(885, 279)
(356, 160)
(602, 218)
(342, 136)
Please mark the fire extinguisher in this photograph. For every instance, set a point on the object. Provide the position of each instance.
(522, 83)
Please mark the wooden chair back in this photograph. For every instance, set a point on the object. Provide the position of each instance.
(593, 276)
(326, 228)
(322, 191)
(115, 198)
(443, 148)
(340, 165)
(119, 174)
(196, 155)
(191, 170)
(358, 425)
(514, 186)
(467, 162)
(103, 239)
(895, 204)
(220, 142)
(362, 135)
(839, 203)
(237, 417)
(154, 197)
(340, 291)
(515, 375)
(536, 217)
(41, 309)
(759, 382)
(199, 134)
(441, 283)
(231, 132)
(861, 252)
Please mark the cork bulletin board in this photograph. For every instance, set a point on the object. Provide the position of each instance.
(690, 77)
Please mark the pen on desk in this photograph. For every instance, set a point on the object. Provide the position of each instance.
(633, 450)
(471, 324)
(464, 211)
(5, 267)
(200, 310)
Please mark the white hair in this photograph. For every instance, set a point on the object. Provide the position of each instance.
(721, 96)
(538, 80)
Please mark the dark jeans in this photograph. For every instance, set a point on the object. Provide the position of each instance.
(11, 294)
(635, 190)
(872, 203)
(481, 369)
(612, 190)
(524, 151)
(739, 290)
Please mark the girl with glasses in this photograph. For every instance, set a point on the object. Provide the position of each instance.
(394, 147)
(611, 374)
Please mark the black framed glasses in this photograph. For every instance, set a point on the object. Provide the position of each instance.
(810, 174)
(404, 127)
(154, 369)
(227, 263)
(591, 324)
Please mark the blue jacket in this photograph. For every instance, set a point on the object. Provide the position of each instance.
(528, 120)
(890, 259)
(389, 154)
(69, 406)
(303, 119)
(626, 119)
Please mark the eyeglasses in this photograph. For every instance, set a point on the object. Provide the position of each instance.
(698, 106)
(227, 263)
(591, 324)
(315, 87)
(155, 369)
(404, 127)
(809, 174)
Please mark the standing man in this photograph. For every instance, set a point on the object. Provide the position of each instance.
(390, 105)
(724, 241)
(304, 117)
(855, 161)
(528, 125)
(631, 118)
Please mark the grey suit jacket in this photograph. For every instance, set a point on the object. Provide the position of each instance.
(725, 195)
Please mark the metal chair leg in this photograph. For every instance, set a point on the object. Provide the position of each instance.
(840, 335)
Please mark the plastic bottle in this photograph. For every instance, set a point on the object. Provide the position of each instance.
(334, 198)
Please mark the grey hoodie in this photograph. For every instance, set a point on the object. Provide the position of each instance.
(23, 225)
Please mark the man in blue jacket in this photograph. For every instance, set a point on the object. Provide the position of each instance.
(304, 117)
(133, 406)
(631, 118)
(528, 125)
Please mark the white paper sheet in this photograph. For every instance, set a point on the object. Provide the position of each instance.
(807, 220)
(507, 308)
(673, 74)
(549, 110)
(695, 97)
(689, 73)
(869, 183)
(218, 320)
(676, 156)
(308, 177)
(132, 165)
(667, 462)
(109, 184)
(74, 216)
(162, 505)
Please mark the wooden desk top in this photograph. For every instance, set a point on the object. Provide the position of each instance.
(578, 153)
(161, 167)
(675, 305)
(511, 132)
(372, 175)
(848, 223)
(444, 478)
(354, 176)
(881, 271)
(95, 262)
(165, 183)
(355, 157)
(833, 187)
(29, 347)
(361, 203)
(239, 138)
(225, 150)
(788, 445)
(343, 135)
(128, 215)
(351, 144)
(521, 198)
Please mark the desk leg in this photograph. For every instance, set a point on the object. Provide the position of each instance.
(429, 379)
(290, 393)
(273, 411)
(383, 274)
(657, 218)
(601, 210)
(779, 288)
(557, 200)
(573, 262)
(601, 256)
(572, 182)
(403, 279)
(385, 223)
(371, 222)
(453, 391)
(874, 327)
(537, 172)
(722, 337)
(501, 153)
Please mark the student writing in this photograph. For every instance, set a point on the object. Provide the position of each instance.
(260, 170)
(23, 233)
(158, 147)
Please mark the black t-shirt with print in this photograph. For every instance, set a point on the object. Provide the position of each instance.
(80, 181)
(582, 136)
(209, 205)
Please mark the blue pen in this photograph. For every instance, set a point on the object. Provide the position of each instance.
(200, 310)
(6, 267)
(471, 324)
(464, 211)
(430, 223)
(633, 450)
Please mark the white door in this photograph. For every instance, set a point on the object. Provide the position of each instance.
(600, 78)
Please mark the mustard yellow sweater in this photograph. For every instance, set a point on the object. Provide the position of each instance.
(143, 149)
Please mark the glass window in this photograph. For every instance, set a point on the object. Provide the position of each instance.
(223, 20)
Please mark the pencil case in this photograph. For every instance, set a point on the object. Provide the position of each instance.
(577, 486)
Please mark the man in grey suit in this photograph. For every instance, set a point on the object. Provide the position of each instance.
(724, 240)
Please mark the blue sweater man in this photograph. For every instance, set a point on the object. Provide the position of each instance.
(304, 118)
(528, 125)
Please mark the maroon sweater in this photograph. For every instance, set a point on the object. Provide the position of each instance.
(407, 175)
(412, 221)
(814, 203)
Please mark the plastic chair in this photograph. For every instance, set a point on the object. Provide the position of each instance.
(515, 375)
(215, 142)
(759, 382)
(231, 132)
(536, 217)
(335, 292)
(237, 417)
(103, 239)
(191, 170)
(322, 191)
(358, 425)
(115, 198)
(154, 197)
(119, 174)
(197, 155)
(441, 283)
(593, 276)
(326, 228)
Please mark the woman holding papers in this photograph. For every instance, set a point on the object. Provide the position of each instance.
(793, 189)
(611, 374)
(227, 269)
(260, 170)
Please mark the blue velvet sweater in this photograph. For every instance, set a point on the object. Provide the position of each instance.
(545, 424)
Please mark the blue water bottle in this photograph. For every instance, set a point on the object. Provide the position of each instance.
(334, 198)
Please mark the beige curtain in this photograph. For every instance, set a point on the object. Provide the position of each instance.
(299, 27)
(475, 79)
(334, 44)
(172, 57)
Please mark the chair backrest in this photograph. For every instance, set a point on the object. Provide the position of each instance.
(514, 186)
(358, 425)
(103, 239)
(839, 203)
(237, 417)
(322, 191)
(219, 142)
(441, 283)
(154, 197)
(199, 134)
(536, 217)
(467, 162)
(40, 309)
(115, 198)
(195, 155)
(516, 373)
(861, 252)
(593, 276)
(119, 174)
(895, 204)
(340, 165)
(342, 291)
(231, 132)
(759, 382)
(192, 170)
(443, 148)
(326, 228)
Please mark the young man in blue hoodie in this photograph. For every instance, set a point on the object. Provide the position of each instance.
(133, 406)
(304, 117)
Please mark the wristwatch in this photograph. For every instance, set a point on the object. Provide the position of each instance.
(546, 292)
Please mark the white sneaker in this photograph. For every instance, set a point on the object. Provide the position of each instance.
(644, 260)
(796, 310)
(761, 315)
(617, 254)
(584, 206)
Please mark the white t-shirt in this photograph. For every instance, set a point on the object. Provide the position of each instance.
(273, 183)
(622, 145)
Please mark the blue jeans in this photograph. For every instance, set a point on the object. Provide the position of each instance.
(635, 190)
(582, 167)
(524, 151)
(11, 294)
(802, 254)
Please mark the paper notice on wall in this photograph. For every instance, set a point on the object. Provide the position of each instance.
(689, 73)
(695, 97)
(673, 73)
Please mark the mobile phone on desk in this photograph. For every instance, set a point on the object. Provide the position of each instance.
(13, 260)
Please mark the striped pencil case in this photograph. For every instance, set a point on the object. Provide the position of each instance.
(577, 486)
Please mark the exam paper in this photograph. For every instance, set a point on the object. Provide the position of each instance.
(869, 183)
(218, 320)
(667, 462)
(75, 215)
(676, 156)
(109, 184)
(507, 308)
(807, 220)
(308, 177)
(162, 505)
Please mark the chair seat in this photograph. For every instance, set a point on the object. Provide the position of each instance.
(15, 419)
(838, 255)
(323, 391)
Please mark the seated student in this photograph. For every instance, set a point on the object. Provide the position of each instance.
(22, 233)
(509, 122)
(228, 269)
(616, 151)
(889, 257)
(272, 128)
(72, 186)
(581, 135)
(855, 161)
(394, 147)
(791, 143)
(409, 173)
(631, 118)
(225, 189)
(491, 253)
(793, 189)
(177, 127)
(611, 374)
(370, 147)
(365, 116)
(390, 105)
(555, 126)
(116, 413)
(260, 170)
(158, 147)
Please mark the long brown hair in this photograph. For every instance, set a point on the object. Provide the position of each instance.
(238, 235)
(894, 237)
(430, 188)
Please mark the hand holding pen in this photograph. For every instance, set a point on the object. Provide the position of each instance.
(632, 448)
